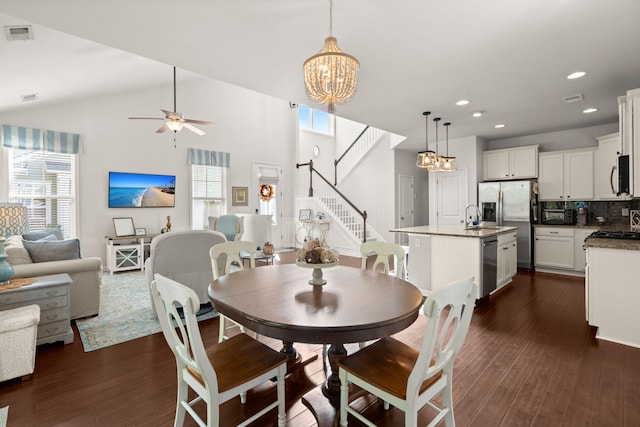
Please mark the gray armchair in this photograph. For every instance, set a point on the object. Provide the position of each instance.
(183, 256)
(232, 226)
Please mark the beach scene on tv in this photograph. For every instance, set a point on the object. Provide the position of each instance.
(136, 190)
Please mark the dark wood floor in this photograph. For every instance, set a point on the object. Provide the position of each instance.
(529, 359)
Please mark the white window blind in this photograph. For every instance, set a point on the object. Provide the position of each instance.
(44, 182)
(207, 194)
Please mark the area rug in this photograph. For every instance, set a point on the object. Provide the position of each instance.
(125, 312)
(4, 413)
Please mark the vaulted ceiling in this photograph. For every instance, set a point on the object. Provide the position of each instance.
(509, 58)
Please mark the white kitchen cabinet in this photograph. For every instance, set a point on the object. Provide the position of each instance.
(609, 148)
(629, 124)
(511, 163)
(566, 175)
(612, 304)
(507, 258)
(580, 254)
(554, 248)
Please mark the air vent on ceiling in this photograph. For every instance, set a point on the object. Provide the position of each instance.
(19, 32)
(573, 98)
(30, 97)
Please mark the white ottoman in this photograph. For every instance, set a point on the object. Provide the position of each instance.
(18, 333)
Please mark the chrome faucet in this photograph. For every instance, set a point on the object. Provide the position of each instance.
(469, 218)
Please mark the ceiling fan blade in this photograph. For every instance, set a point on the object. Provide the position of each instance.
(172, 115)
(194, 129)
(199, 122)
(163, 128)
(146, 118)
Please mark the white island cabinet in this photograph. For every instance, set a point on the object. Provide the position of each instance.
(441, 255)
(612, 290)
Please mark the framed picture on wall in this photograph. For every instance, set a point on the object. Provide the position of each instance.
(240, 196)
(304, 215)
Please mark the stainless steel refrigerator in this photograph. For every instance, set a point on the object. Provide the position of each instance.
(512, 204)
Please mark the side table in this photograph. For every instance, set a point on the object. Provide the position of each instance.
(51, 293)
(259, 256)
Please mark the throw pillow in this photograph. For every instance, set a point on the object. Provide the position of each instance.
(56, 250)
(16, 253)
(38, 235)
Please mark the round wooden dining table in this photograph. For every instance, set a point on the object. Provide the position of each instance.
(353, 306)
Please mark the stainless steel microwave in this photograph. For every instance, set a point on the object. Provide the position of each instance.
(559, 216)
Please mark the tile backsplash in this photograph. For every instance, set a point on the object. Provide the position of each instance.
(611, 210)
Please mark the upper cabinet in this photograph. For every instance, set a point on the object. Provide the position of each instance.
(629, 117)
(511, 163)
(566, 175)
(609, 148)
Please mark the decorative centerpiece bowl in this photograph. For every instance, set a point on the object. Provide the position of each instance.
(317, 279)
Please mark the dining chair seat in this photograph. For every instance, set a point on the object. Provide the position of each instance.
(387, 364)
(408, 378)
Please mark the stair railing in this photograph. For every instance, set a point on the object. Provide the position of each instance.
(363, 214)
(335, 162)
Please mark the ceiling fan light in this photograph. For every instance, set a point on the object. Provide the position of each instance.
(175, 126)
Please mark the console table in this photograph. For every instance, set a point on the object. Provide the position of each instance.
(51, 293)
(305, 231)
(126, 253)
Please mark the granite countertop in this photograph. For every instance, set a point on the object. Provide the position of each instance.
(599, 242)
(455, 231)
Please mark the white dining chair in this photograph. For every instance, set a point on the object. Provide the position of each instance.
(408, 378)
(226, 258)
(220, 372)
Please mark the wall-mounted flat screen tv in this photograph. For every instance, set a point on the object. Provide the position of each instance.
(141, 190)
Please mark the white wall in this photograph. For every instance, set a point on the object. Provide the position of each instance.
(561, 140)
(405, 164)
(250, 126)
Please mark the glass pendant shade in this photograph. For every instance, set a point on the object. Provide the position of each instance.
(448, 163)
(426, 159)
(331, 76)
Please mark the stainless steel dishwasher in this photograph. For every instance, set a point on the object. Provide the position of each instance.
(489, 266)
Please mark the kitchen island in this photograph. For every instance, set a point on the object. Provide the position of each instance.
(612, 289)
(441, 255)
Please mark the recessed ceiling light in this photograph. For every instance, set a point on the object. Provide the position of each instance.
(462, 102)
(590, 110)
(576, 75)
(477, 114)
(500, 126)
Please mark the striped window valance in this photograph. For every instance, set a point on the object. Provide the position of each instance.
(208, 158)
(40, 139)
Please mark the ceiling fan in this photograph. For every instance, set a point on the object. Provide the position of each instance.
(176, 121)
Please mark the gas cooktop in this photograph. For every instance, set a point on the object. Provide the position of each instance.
(610, 234)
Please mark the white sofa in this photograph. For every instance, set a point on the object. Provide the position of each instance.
(18, 334)
(86, 274)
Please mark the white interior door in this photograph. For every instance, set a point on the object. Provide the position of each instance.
(405, 206)
(270, 174)
(451, 188)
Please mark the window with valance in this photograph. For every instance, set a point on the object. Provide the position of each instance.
(42, 175)
(208, 177)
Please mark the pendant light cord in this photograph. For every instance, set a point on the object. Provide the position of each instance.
(426, 129)
(446, 126)
(437, 119)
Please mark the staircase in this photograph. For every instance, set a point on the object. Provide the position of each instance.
(344, 214)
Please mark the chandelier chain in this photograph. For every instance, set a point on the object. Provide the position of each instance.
(330, 18)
